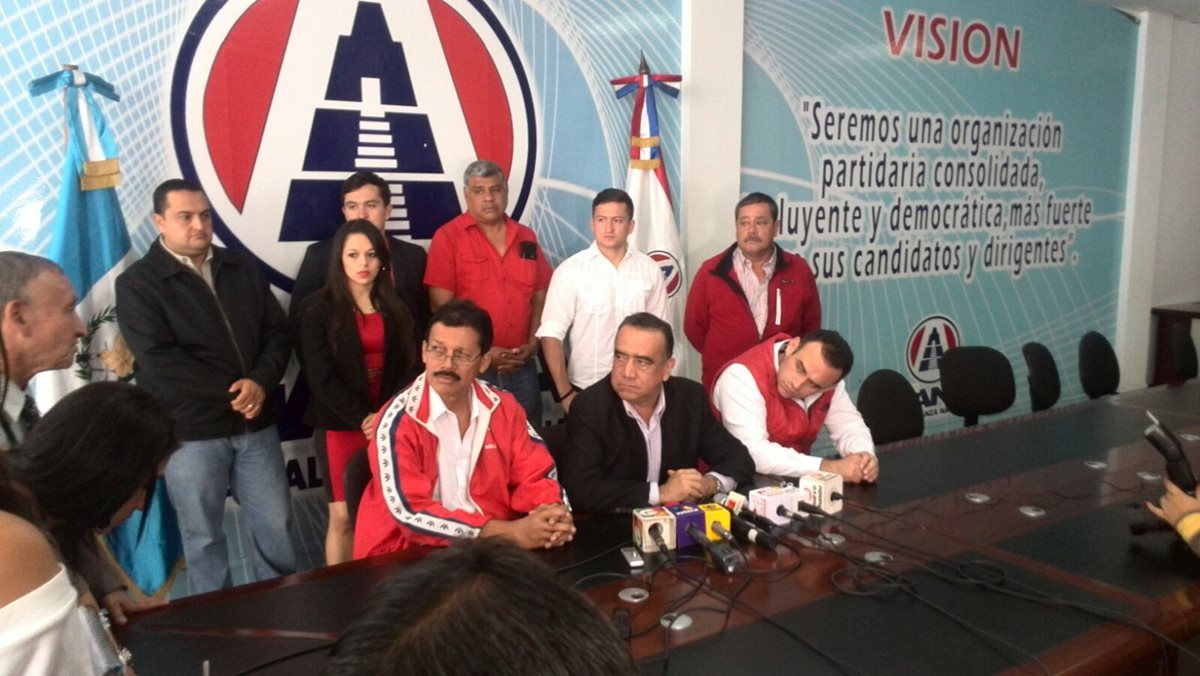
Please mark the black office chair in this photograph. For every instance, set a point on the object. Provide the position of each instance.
(890, 407)
(977, 380)
(1183, 353)
(355, 478)
(1099, 372)
(1044, 385)
(555, 437)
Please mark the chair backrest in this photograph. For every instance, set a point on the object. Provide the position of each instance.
(355, 478)
(1099, 372)
(977, 380)
(1183, 352)
(1044, 385)
(890, 407)
(555, 437)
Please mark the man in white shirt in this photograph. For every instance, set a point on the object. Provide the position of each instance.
(591, 292)
(776, 396)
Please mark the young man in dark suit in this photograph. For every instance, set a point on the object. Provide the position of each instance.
(366, 195)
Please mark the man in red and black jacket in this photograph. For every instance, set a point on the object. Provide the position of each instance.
(752, 290)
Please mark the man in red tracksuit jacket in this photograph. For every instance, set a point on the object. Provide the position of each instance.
(752, 290)
(452, 457)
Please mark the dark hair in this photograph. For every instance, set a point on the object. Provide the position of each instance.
(461, 312)
(479, 607)
(365, 178)
(89, 454)
(758, 198)
(649, 322)
(609, 195)
(383, 293)
(13, 498)
(834, 349)
(169, 186)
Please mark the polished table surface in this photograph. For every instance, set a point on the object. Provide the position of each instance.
(930, 618)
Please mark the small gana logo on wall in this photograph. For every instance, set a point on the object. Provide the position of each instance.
(670, 270)
(926, 345)
(930, 339)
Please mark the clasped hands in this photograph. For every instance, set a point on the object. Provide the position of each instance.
(547, 526)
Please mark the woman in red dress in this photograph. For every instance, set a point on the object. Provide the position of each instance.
(357, 348)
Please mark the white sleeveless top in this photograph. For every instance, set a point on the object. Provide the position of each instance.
(41, 633)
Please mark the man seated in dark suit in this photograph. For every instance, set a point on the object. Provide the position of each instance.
(366, 195)
(635, 437)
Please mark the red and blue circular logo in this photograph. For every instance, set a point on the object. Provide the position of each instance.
(670, 269)
(930, 339)
(275, 102)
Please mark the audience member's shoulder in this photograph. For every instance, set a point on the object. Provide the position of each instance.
(315, 302)
(403, 246)
(319, 248)
(27, 560)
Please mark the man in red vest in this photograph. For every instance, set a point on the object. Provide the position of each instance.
(776, 396)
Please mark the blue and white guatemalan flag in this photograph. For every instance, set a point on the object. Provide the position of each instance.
(91, 243)
(646, 183)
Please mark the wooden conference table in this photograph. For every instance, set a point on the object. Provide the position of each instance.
(956, 598)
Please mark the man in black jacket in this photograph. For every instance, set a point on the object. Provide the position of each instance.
(636, 436)
(366, 195)
(211, 343)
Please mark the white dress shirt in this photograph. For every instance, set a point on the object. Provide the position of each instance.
(756, 291)
(453, 487)
(652, 434)
(744, 414)
(205, 269)
(588, 297)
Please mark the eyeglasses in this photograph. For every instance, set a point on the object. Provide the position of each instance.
(457, 358)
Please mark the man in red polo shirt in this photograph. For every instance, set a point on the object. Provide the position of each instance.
(490, 259)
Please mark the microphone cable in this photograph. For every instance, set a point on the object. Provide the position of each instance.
(1033, 594)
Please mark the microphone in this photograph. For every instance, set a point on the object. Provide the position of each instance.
(764, 501)
(723, 556)
(1178, 467)
(747, 532)
(823, 489)
(725, 534)
(714, 515)
(653, 529)
(753, 527)
(790, 515)
(656, 534)
(686, 514)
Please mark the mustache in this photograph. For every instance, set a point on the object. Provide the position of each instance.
(448, 374)
(752, 238)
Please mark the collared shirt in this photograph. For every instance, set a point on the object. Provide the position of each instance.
(205, 269)
(652, 434)
(464, 262)
(744, 414)
(14, 402)
(589, 297)
(755, 290)
(453, 487)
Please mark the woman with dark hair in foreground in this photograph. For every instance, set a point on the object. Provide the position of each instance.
(87, 465)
